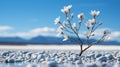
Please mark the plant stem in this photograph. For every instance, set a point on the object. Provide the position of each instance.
(76, 33)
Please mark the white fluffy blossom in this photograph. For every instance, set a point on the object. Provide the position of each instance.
(90, 23)
(81, 16)
(66, 37)
(57, 20)
(74, 25)
(60, 31)
(106, 32)
(66, 9)
(69, 7)
(95, 13)
(86, 34)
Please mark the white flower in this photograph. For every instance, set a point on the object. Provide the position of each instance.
(60, 31)
(92, 21)
(66, 9)
(57, 20)
(81, 16)
(66, 37)
(74, 25)
(61, 27)
(88, 24)
(95, 13)
(87, 34)
(69, 7)
(105, 32)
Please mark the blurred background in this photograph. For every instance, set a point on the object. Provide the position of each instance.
(32, 21)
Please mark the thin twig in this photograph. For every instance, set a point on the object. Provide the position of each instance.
(65, 29)
(94, 43)
(76, 33)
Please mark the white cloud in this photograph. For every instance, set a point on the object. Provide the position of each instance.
(6, 34)
(42, 30)
(23, 34)
(115, 35)
(45, 31)
(5, 28)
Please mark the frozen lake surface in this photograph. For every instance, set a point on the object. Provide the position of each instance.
(58, 47)
(58, 56)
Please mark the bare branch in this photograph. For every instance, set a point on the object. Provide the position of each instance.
(94, 43)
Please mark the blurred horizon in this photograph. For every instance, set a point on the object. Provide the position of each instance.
(31, 18)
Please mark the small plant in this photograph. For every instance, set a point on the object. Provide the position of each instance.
(67, 28)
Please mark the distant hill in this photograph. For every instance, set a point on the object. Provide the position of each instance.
(47, 40)
(12, 40)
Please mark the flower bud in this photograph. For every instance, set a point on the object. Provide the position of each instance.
(92, 21)
(57, 20)
(88, 24)
(81, 16)
(74, 25)
(60, 30)
(105, 32)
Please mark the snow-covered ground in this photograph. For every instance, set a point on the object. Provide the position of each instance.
(58, 56)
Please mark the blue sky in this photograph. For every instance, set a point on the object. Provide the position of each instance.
(22, 17)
